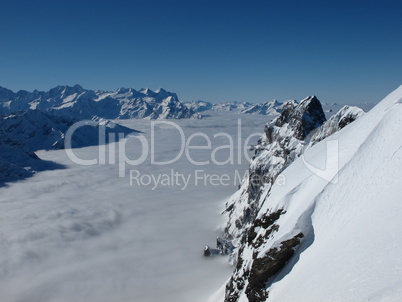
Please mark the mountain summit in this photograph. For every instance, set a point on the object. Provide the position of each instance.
(315, 238)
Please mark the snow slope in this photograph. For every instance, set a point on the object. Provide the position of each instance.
(282, 142)
(356, 222)
(331, 236)
(339, 120)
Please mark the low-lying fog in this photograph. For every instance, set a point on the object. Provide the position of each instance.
(85, 234)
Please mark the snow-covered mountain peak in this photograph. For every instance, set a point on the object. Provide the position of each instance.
(268, 108)
(315, 240)
(148, 92)
(123, 90)
(160, 91)
(64, 90)
(339, 120)
(301, 118)
(81, 103)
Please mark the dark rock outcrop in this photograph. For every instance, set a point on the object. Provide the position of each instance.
(283, 141)
(264, 247)
(267, 266)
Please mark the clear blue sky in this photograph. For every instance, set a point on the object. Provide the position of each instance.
(256, 50)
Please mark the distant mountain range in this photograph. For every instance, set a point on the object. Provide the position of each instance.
(82, 103)
(127, 103)
(37, 120)
(272, 108)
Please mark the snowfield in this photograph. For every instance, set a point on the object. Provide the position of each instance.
(84, 234)
(355, 253)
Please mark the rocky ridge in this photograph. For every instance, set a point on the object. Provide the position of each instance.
(259, 255)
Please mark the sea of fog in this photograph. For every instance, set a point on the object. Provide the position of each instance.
(109, 232)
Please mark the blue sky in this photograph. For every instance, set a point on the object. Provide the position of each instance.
(341, 51)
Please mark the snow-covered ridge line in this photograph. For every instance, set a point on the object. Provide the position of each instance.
(82, 103)
(314, 240)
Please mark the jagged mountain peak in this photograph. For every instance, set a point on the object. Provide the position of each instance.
(146, 91)
(301, 118)
(77, 102)
(311, 106)
(316, 231)
(283, 141)
(66, 90)
(125, 91)
(160, 90)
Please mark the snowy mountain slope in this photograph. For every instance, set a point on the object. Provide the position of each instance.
(363, 261)
(268, 108)
(283, 141)
(231, 106)
(81, 103)
(199, 106)
(23, 132)
(342, 118)
(315, 240)
(19, 162)
(16, 160)
(38, 130)
(332, 108)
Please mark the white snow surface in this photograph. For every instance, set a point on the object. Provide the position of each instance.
(352, 226)
(84, 234)
(355, 255)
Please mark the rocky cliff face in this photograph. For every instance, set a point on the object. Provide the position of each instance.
(282, 142)
(81, 103)
(260, 255)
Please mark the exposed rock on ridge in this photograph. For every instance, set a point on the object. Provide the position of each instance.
(261, 254)
(281, 143)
